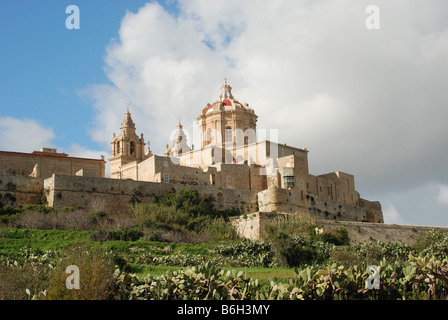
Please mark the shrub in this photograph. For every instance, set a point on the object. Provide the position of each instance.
(249, 253)
(16, 279)
(127, 234)
(218, 229)
(96, 275)
(296, 224)
(338, 237)
(38, 208)
(72, 220)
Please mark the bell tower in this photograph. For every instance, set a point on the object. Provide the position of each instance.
(126, 147)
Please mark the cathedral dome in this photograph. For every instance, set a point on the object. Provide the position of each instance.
(226, 102)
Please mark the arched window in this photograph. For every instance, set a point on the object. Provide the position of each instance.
(347, 185)
(132, 147)
(246, 140)
(118, 147)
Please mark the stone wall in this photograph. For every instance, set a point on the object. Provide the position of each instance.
(251, 226)
(19, 191)
(365, 231)
(290, 201)
(43, 165)
(116, 196)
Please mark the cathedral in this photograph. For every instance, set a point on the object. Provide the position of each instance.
(230, 157)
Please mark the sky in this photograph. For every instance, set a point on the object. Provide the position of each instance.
(371, 102)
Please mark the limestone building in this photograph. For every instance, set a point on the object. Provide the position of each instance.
(230, 157)
(46, 162)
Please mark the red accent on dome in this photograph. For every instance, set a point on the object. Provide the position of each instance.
(227, 102)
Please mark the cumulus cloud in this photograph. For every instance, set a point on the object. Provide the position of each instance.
(392, 216)
(80, 151)
(77, 150)
(23, 135)
(442, 197)
(368, 102)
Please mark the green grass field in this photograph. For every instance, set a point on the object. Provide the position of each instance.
(12, 241)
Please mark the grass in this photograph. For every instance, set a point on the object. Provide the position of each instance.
(262, 274)
(13, 240)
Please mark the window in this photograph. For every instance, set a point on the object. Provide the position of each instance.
(166, 178)
(347, 185)
(208, 136)
(118, 147)
(228, 134)
(132, 147)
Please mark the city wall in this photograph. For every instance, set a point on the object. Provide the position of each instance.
(290, 201)
(18, 191)
(116, 196)
(252, 226)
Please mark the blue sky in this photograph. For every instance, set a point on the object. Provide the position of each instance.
(367, 102)
(44, 66)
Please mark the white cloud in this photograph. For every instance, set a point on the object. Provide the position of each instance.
(77, 150)
(442, 197)
(27, 135)
(392, 216)
(24, 135)
(367, 102)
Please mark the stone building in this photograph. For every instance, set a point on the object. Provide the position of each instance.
(127, 148)
(22, 175)
(46, 162)
(230, 157)
(258, 178)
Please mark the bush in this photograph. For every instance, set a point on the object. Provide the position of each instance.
(296, 224)
(248, 253)
(294, 251)
(71, 220)
(177, 216)
(127, 234)
(338, 237)
(16, 279)
(218, 230)
(96, 275)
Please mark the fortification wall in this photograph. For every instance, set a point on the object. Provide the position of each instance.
(290, 201)
(252, 226)
(19, 191)
(116, 196)
(365, 231)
